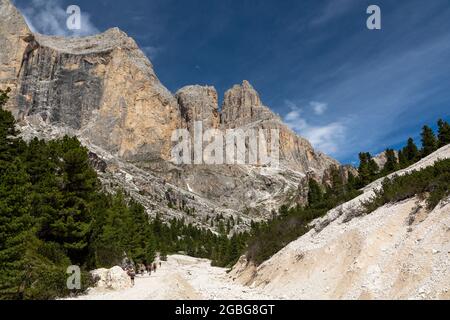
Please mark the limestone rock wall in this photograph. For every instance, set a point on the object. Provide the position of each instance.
(199, 103)
(14, 37)
(104, 87)
(242, 105)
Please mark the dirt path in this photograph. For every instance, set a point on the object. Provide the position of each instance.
(179, 278)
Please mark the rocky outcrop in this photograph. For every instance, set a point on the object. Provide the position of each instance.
(97, 163)
(242, 105)
(113, 279)
(381, 159)
(199, 103)
(102, 86)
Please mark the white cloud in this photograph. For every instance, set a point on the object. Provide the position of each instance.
(151, 52)
(327, 138)
(319, 107)
(332, 10)
(49, 17)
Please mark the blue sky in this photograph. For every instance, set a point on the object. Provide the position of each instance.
(314, 62)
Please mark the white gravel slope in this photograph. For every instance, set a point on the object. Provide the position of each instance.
(378, 256)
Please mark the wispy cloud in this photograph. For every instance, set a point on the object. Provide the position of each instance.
(151, 51)
(319, 107)
(50, 17)
(327, 138)
(332, 10)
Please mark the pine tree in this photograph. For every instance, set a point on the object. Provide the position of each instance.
(411, 152)
(16, 229)
(352, 181)
(373, 168)
(338, 188)
(314, 192)
(368, 168)
(391, 164)
(403, 162)
(429, 141)
(52, 214)
(443, 133)
(10, 145)
(69, 218)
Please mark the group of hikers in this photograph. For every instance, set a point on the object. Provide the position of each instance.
(141, 269)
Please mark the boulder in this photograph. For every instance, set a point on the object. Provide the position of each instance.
(114, 279)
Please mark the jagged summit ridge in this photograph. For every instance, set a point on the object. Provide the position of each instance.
(109, 40)
(242, 105)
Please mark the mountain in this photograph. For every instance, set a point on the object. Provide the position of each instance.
(104, 90)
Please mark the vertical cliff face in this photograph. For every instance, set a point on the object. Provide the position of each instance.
(242, 105)
(14, 43)
(102, 86)
(199, 103)
(52, 82)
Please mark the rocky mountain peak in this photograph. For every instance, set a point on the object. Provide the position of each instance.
(199, 103)
(109, 40)
(242, 105)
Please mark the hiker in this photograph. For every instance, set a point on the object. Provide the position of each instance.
(154, 267)
(160, 264)
(149, 269)
(131, 274)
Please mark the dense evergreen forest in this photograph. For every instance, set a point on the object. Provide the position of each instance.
(54, 213)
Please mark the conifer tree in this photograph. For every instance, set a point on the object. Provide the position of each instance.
(4, 96)
(368, 168)
(403, 162)
(391, 164)
(429, 141)
(373, 167)
(10, 145)
(352, 181)
(411, 152)
(16, 229)
(443, 133)
(314, 193)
